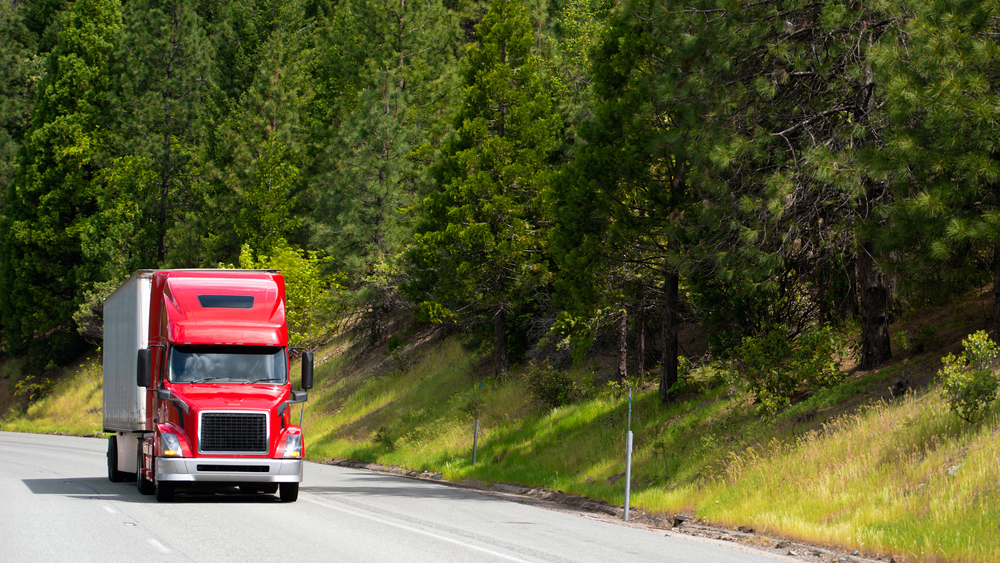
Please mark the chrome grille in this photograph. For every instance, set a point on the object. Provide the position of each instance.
(233, 432)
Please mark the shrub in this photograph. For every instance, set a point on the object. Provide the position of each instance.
(776, 365)
(551, 388)
(924, 339)
(970, 385)
(31, 389)
(311, 297)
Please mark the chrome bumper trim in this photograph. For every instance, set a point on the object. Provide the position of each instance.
(244, 470)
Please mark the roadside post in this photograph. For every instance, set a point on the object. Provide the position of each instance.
(475, 432)
(628, 456)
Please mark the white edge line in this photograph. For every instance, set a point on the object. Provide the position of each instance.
(158, 545)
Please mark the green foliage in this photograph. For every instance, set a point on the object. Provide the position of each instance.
(970, 382)
(31, 389)
(312, 307)
(939, 158)
(42, 265)
(163, 117)
(550, 387)
(17, 86)
(925, 338)
(392, 73)
(264, 218)
(572, 333)
(777, 364)
(383, 437)
(479, 248)
(261, 143)
(118, 239)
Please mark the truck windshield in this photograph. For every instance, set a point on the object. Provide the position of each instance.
(237, 364)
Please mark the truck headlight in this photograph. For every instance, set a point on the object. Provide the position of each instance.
(170, 445)
(293, 445)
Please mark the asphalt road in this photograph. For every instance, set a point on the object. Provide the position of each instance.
(56, 504)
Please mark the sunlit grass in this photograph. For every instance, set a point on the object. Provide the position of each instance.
(907, 478)
(72, 407)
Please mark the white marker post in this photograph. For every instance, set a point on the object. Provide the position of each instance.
(475, 432)
(628, 456)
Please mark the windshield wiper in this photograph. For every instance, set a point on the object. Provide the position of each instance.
(208, 379)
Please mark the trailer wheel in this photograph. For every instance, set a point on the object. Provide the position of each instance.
(288, 492)
(114, 475)
(144, 485)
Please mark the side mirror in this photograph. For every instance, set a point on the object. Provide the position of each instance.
(307, 370)
(143, 368)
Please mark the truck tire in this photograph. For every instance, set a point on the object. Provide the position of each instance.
(145, 487)
(288, 492)
(114, 475)
(164, 491)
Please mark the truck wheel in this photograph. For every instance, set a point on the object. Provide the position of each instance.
(141, 483)
(164, 491)
(114, 475)
(288, 492)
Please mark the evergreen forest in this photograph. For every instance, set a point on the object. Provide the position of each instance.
(545, 176)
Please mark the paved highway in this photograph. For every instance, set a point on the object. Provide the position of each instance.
(56, 504)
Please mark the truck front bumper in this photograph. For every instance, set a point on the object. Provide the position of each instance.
(233, 470)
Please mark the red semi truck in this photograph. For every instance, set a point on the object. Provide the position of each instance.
(197, 388)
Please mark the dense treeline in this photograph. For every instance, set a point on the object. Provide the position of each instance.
(542, 173)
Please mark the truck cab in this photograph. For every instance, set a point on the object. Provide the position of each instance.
(214, 385)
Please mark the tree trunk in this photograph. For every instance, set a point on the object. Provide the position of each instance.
(500, 345)
(622, 345)
(668, 365)
(996, 292)
(873, 286)
(640, 334)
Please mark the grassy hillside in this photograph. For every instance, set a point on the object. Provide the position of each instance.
(850, 467)
(71, 403)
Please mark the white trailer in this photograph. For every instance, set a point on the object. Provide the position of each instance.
(126, 329)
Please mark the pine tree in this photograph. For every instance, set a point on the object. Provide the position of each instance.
(803, 100)
(479, 249)
(388, 78)
(396, 55)
(941, 157)
(261, 143)
(17, 88)
(54, 193)
(167, 78)
(638, 193)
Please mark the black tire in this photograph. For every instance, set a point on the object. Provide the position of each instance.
(288, 492)
(144, 485)
(114, 475)
(269, 488)
(164, 491)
